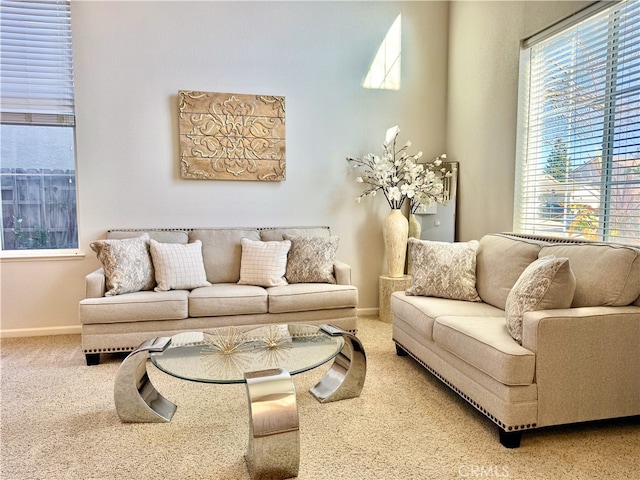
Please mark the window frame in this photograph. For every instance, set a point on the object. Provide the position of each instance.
(47, 101)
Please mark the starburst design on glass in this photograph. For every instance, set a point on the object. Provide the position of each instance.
(274, 345)
(229, 350)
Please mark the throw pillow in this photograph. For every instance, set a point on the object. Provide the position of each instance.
(126, 263)
(547, 283)
(311, 259)
(179, 266)
(263, 263)
(443, 269)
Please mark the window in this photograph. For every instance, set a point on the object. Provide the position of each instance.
(37, 163)
(578, 149)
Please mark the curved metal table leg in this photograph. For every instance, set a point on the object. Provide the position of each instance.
(135, 397)
(274, 436)
(346, 376)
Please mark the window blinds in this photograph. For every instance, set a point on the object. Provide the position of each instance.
(578, 146)
(36, 62)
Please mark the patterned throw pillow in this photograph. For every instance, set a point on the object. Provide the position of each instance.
(443, 269)
(179, 266)
(263, 263)
(547, 283)
(127, 264)
(311, 259)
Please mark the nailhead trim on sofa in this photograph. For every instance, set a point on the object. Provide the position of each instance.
(508, 428)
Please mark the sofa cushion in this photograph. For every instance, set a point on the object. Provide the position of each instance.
(485, 343)
(299, 297)
(442, 269)
(161, 235)
(547, 283)
(420, 312)
(178, 266)
(227, 299)
(132, 307)
(500, 261)
(606, 275)
(127, 264)
(311, 259)
(221, 251)
(263, 263)
(277, 234)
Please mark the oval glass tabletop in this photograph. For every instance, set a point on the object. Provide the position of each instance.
(224, 355)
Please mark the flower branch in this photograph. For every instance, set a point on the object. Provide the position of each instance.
(400, 176)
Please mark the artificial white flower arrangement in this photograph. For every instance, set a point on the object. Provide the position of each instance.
(400, 175)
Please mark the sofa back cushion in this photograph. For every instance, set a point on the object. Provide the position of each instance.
(162, 236)
(606, 275)
(276, 234)
(500, 261)
(221, 251)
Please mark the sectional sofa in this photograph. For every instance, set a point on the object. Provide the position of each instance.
(159, 282)
(533, 332)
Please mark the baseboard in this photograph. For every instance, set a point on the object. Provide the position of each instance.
(40, 332)
(368, 312)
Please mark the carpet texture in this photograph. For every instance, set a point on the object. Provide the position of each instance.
(58, 422)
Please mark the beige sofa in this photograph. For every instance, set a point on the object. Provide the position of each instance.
(574, 364)
(121, 322)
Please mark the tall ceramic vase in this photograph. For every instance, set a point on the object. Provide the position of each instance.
(395, 230)
(415, 230)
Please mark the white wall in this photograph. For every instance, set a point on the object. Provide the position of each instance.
(131, 58)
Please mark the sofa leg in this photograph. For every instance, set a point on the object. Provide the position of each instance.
(401, 352)
(92, 358)
(510, 439)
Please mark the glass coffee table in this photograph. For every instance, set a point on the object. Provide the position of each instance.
(263, 358)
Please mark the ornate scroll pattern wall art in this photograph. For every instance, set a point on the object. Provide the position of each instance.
(225, 136)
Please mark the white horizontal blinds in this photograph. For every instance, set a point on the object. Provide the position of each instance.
(36, 62)
(579, 130)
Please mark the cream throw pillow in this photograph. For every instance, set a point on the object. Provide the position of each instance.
(178, 266)
(311, 259)
(263, 263)
(547, 283)
(126, 263)
(443, 269)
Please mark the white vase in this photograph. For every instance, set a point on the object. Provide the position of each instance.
(415, 230)
(395, 231)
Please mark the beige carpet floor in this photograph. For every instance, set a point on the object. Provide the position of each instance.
(58, 422)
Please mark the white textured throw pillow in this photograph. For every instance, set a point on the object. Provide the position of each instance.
(443, 269)
(178, 266)
(263, 263)
(126, 263)
(547, 283)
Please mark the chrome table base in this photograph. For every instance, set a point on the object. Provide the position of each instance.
(346, 376)
(135, 397)
(274, 437)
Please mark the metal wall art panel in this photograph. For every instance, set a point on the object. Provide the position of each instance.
(230, 136)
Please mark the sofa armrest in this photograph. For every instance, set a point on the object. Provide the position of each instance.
(587, 362)
(95, 284)
(342, 272)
